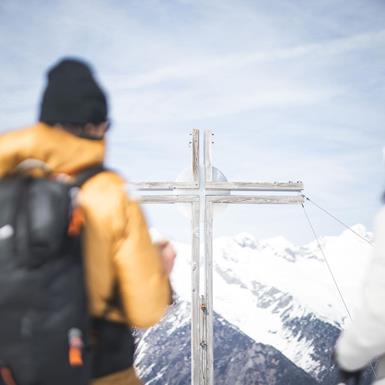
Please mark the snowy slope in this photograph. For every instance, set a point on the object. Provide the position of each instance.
(281, 294)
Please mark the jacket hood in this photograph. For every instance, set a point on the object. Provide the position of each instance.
(61, 151)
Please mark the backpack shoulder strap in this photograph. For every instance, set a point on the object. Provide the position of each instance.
(86, 174)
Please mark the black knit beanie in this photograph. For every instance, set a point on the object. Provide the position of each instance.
(72, 95)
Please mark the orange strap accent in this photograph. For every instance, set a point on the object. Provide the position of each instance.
(75, 356)
(7, 376)
(76, 223)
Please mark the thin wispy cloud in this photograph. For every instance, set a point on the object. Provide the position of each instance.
(193, 69)
(292, 89)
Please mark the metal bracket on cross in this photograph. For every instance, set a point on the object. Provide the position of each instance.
(203, 193)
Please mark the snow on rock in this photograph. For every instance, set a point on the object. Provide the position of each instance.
(246, 240)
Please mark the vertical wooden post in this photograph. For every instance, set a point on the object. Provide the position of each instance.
(209, 292)
(203, 341)
(195, 157)
(208, 156)
(195, 300)
(209, 364)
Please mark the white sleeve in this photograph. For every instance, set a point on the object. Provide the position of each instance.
(364, 339)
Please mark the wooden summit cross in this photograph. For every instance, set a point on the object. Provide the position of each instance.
(200, 195)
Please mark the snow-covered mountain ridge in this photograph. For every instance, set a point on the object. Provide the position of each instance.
(281, 294)
(301, 271)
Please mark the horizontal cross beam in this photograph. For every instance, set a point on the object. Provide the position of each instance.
(254, 199)
(226, 186)
(169, 199)
(255, 186)
(165, 186)
(231, 199)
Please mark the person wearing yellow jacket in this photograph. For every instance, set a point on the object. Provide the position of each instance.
(118, 251)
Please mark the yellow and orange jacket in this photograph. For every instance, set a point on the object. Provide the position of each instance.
(118, 248)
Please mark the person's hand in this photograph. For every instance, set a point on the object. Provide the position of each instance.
(167, 254)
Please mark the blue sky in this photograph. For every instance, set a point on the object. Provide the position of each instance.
(294, 90)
